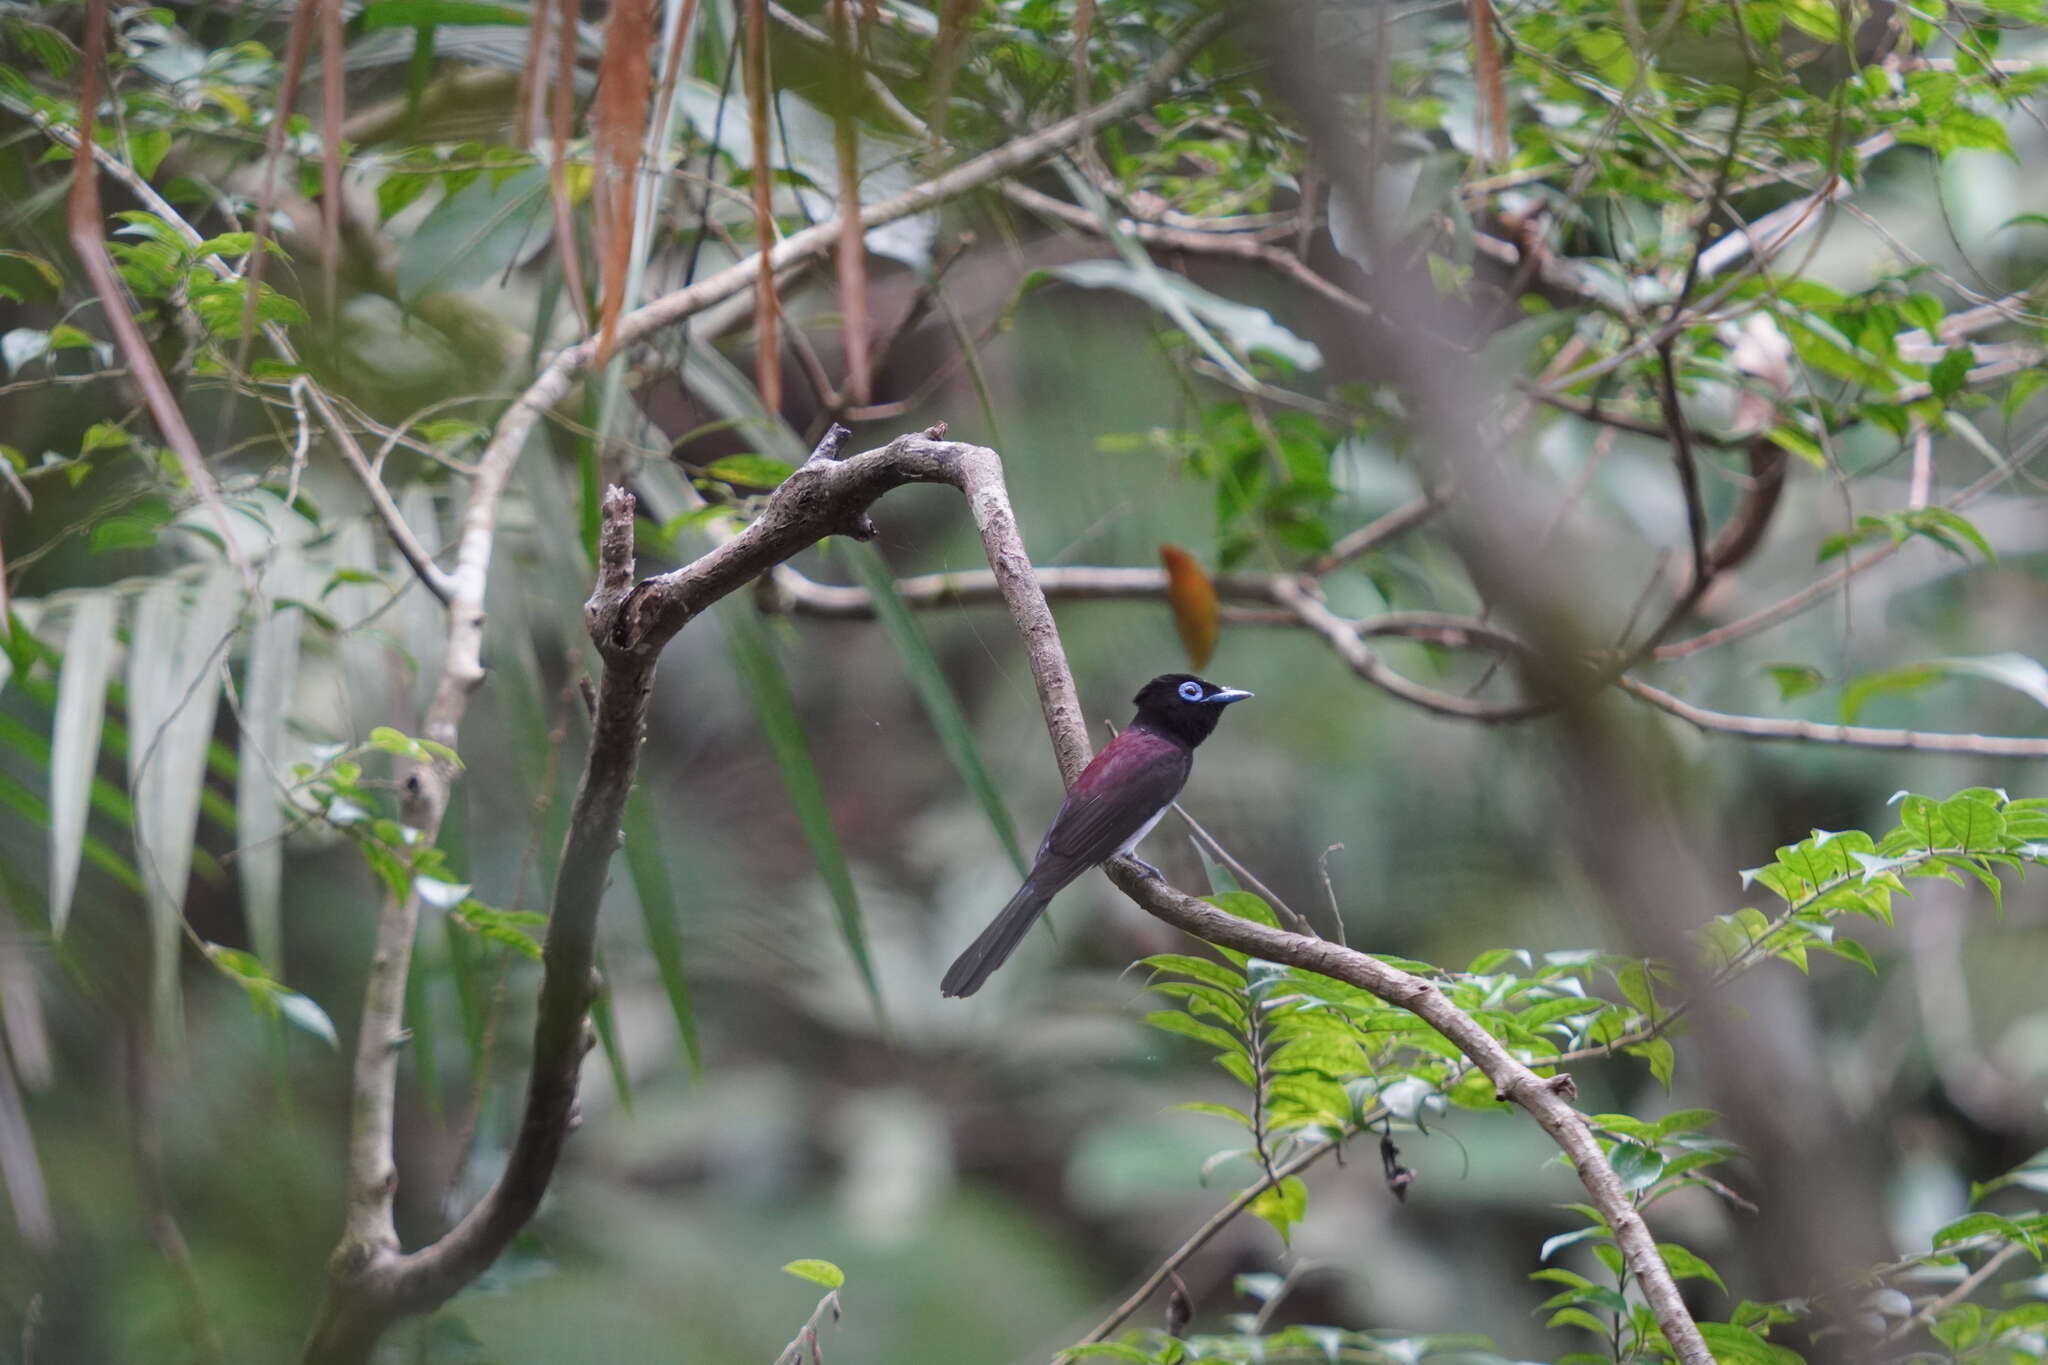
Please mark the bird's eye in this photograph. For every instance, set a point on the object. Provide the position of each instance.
(1192, 691)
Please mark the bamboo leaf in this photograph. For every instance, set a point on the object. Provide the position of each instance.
(767, 687)
(31, 807)
(929, 680)
(267, 684)
(172, 694)
(647, 864)
(608, 1037)
(75, 747)
(483, 230)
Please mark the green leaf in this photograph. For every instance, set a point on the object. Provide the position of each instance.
(933, 689)
(1221, 1111)
(1245, 905)
(1637, 989)
(1960, 1326)
(420, 13)
(750, 471)
(1577, 1317)
(767, 687)
(41, 267)
(1174, 1021)
(1658, 1053)
(512, 928)
(1734, 1345)
(103, 436)
(1974, 1225)
(1685, 1265)
(1201, 969)
(817, 1272)
(481, 231)
(1795, 680)
(1951, 374)
(1637, 1165)
(1283, 1205)
(607, 1025)
(1111, 1350)
(75, 743)
(1860, 692)
(660, 917)
(147, 148)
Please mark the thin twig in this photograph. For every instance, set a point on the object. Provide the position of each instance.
(1816, 732)
(1245, 878)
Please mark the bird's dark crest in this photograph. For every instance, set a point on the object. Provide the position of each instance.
(1183, 706)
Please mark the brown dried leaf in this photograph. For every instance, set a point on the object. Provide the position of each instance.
(767, 349)
(1493, 136)
(625, 81)
(532, 78)
(566, 250)
(1197, 615)
(853, 259)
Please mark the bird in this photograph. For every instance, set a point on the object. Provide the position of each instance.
(1113, 804)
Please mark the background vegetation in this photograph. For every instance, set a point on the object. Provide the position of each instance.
(1744, 298)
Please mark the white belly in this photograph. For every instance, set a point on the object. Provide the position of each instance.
(1144, 829)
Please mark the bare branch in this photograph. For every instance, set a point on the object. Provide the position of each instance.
(978, 588)
(1815, 732)
(1378, 532)
(1343, 636)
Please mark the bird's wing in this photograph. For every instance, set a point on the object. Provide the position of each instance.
(1134, 778)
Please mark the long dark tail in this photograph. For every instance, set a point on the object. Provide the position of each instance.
(997, 941)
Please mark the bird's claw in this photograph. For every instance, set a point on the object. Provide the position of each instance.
(1154, 873)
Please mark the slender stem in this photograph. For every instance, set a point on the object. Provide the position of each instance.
(1969, 1285)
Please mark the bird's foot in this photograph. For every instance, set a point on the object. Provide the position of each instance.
(1154, 873)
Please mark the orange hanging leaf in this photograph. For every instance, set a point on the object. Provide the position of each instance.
(625, 83)
(1197, 615)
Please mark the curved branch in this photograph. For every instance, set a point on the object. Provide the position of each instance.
(1343, 637)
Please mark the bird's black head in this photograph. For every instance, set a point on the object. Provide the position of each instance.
(1184, 706)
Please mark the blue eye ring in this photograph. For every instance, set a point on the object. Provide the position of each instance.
(1191, 691)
